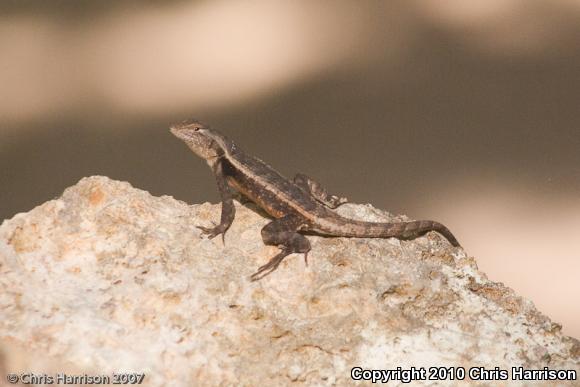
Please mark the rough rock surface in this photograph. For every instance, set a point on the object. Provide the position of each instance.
(108, 278)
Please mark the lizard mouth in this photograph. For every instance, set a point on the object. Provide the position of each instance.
(179, 132)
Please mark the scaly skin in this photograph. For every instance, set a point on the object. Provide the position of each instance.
(298, 205)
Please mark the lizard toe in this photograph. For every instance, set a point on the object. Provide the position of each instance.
(212, 232)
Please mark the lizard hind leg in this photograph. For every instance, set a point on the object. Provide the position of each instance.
(282, 232)
(318, 192)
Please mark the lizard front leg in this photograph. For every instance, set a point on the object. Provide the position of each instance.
(317, 191)
(228, 208)
(282, 232)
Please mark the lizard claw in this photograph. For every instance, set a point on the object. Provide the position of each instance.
(335, 201)
(270, 266)
(212, 232)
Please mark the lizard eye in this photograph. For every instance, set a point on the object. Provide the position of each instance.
(196, 129)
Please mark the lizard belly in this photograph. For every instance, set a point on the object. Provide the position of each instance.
(263, 198)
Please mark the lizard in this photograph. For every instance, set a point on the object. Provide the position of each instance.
(297, 206)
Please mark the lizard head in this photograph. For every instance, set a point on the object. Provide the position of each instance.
(203, 141)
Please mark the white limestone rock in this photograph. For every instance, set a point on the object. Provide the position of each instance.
(108, 278)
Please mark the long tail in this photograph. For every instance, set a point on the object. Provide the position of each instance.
(401, 230)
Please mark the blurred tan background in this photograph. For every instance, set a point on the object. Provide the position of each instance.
(464, 112)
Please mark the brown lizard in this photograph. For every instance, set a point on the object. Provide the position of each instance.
(297, 206)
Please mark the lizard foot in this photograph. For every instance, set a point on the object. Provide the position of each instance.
(335, 201)
(270, 266)
(212, 232)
